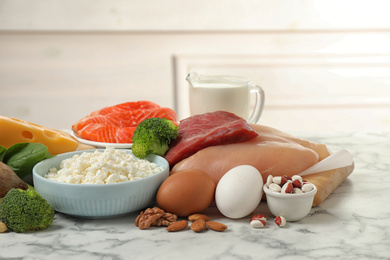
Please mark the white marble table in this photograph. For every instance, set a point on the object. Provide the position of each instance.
(353, 223)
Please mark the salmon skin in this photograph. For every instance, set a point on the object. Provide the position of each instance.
(116, 124)
(210, 129)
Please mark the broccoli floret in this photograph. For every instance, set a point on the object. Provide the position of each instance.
(25, 210)
(153, 135)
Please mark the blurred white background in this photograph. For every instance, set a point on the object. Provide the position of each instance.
(324, 65)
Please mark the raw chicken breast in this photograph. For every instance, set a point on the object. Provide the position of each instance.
(269, 133)
(272, 153)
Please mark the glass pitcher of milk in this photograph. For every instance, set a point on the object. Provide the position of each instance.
(227, 93)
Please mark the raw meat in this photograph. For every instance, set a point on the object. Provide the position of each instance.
(267, 133)
(127, 106)
(210, 129)
(107, 133)
(126, 119)
(116, 124)
(272, 152)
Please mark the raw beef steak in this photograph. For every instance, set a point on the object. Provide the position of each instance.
(210, 129)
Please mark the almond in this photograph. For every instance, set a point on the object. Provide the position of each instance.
(195, 217)
(177, 226)
(198, 225)
(216, 226)
(3, 227)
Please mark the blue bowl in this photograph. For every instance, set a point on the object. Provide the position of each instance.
(97, 200)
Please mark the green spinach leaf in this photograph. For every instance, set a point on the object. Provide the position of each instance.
(2, 152)
(22, 157)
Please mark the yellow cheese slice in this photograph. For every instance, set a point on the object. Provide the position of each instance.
(13, 131)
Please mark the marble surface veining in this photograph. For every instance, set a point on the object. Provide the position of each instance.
(353, 223)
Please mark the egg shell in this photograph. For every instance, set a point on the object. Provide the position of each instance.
(239, 191)
(186, 192)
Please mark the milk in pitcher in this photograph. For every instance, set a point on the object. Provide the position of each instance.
(224, 93)
(210, 97)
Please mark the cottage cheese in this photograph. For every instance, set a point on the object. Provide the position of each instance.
(110, 166)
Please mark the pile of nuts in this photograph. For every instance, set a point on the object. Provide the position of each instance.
(199, 223)
(158, 217)
(287, 184)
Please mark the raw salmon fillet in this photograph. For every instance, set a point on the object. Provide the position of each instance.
(107, 133)
(209, 129)
(116, 124)
(272, 152)
(127, 118)
(124, 107)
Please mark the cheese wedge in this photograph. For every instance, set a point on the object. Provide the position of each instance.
(13, 131)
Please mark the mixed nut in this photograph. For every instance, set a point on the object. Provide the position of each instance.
(280, 221)
(259, 221)
(158, 217)
(287, 184)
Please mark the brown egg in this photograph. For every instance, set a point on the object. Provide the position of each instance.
(186, 192)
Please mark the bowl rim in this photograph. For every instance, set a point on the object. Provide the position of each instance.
(289, 195)
(84, 185)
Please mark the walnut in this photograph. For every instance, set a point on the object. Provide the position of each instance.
(146, 218)
(154, 217)
(165, 220)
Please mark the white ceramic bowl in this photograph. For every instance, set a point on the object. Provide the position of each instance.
(97, 200)
(291, 206)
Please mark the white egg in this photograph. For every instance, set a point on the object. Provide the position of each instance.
(239, 191)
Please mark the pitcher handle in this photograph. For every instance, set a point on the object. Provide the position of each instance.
(259, 105)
